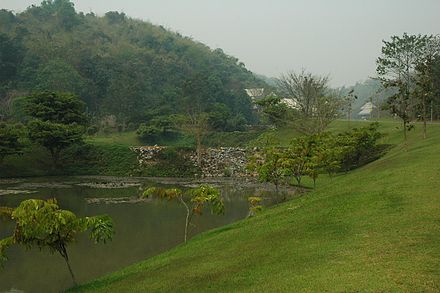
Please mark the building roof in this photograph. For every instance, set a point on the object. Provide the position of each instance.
(255, 92)
(367, 109)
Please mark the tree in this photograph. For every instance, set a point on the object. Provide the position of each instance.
(299, 155)
(274, 110)
(160, 127)
(58, 121)
(268, 164)
(304, 88)
(358, 146)
(396, 68)
(254, 205)
(10, 140)
(55, 137)
(425, 77)
(315, 105)
(198, 198)
(348, 104)
(42, 224)
(196, 125)
(196, 101)
(11, 55)
(313, 167)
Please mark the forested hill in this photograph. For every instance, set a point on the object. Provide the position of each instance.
(118, 65)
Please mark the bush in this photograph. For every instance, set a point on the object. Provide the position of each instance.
(158, 128)
(358, 146)
(92, 130)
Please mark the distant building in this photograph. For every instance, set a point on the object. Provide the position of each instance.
(366, 110)
(291, 103)
(259, 93)
(255, 94)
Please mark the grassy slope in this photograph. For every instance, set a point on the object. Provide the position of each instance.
(376, 229)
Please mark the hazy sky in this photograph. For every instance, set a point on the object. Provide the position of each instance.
(337, 37)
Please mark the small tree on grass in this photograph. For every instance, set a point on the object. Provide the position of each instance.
(299, 157)
(268, 164)
(254, 205)
(193, 200)
(42, 224)
(313, 168)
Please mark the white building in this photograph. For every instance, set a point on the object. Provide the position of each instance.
(366, 110)
(258, 93)
(255, 94)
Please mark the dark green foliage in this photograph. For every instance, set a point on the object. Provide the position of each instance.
(10, 140)
(78, 159)
(11, 55)
(54, 136)
(120, 66)
(275, 112)
(63, 108)
(158, 128)
(58, 121)
(358, 146)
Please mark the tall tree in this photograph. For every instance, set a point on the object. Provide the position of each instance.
(57, 121)
(396, 68)
(315, 105)
(425, 77)
(10, 140)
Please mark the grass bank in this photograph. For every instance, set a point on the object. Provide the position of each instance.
(376, 229)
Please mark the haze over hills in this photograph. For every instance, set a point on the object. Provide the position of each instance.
(341, 38)
(117, 65)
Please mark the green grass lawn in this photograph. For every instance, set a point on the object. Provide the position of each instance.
(376, 229)
(128, 138)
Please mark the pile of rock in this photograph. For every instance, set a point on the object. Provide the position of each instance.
(222, 162)
(147, 154)
(216, 162)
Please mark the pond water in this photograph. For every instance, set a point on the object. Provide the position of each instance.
(143, 228)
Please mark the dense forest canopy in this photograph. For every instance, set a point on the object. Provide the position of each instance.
(119, 66)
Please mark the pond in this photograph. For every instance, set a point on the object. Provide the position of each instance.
(143, 228)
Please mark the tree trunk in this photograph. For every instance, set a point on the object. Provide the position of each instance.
(424, 117)
(188, 218)
(298, 180)
(64, 254)
(404, 130)
(55, 154)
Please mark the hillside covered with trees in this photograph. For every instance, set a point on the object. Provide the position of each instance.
(127, 71)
